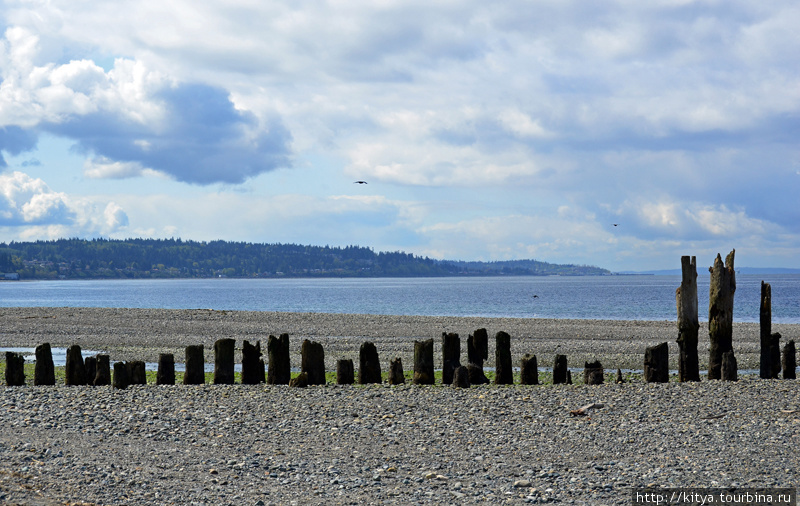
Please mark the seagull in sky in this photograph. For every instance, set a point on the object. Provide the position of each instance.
(359, 182)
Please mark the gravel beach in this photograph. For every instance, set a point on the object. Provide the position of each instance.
(259, 445)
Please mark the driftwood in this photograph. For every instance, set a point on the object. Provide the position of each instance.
(713, 417)
(584, 411)
(790, 411)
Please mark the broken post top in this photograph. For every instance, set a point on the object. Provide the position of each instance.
(723, 281)
(686, 295)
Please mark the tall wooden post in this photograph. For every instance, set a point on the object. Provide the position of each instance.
(720, 312)
(423, 362)
(688, 322)
(44, 370)
(770, 343)
(279, 370)
(451, 356)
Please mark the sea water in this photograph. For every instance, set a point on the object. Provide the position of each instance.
(581, 297)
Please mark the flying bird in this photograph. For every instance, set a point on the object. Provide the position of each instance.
(359, 182)
(616, 224)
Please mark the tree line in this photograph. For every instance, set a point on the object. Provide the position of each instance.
(176, 258)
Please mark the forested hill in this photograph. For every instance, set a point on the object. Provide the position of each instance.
(174, 258)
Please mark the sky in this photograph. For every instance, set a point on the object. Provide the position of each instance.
(622, 134)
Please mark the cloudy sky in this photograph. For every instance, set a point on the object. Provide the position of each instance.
(485, 130)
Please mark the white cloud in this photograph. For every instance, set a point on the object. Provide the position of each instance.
(30, 207)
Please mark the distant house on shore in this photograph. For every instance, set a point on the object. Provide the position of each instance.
(11, 276)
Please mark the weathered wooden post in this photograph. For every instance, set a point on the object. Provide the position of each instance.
(688, 322)
(504, 372)
(44, 372)
(103, 376)
(477, 352)
(345, 372)
(15, 369)
(423, 362)
(120, 375)
(224, 361)
(75, 372)
(789, 361)
(593, 373)
(137, 374)
(369, 366)
(656, 363)
(299, 381)
(529, 370)
(770, 343)
(720, 312)
(166, 369)
(396, 376)
(279, 370)
(451, 356)
(252, 364)
(90, 363)
(461, 377)
(730, 369)
(195, 373)
(312, 362)
(560, 370)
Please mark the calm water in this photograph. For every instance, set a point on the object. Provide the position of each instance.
(601, 297)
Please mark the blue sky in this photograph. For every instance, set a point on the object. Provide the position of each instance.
(486, 131)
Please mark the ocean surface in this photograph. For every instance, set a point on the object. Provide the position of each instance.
(584, 297)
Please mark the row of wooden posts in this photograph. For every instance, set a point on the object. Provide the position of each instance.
(97, 370)
(277, 371)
